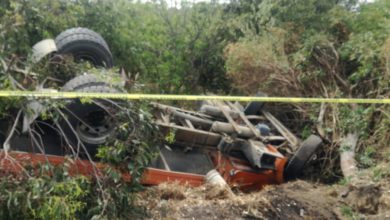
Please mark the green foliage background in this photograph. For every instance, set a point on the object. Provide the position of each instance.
(172, 50)
(309, 48)
(182, 50)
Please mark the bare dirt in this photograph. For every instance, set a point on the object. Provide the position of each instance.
(293, 200)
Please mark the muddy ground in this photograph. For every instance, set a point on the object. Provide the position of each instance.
(294, 200)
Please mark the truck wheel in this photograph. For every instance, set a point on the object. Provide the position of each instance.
(81, 82)
(85, 44)
(89, 123)
(303, 154)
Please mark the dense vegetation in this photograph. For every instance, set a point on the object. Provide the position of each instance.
(308, 48)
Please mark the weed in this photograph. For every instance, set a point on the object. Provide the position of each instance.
(348, 212)
(366, 158)
(306, 132)
(345, 181)
(377, 174)
(170, 137)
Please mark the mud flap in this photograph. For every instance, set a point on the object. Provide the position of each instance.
(42, 49)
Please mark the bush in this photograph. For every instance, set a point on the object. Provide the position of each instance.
(260, 64)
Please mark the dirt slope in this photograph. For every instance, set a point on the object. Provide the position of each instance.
(293, 200)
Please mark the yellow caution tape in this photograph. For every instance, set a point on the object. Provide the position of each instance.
(73, 95)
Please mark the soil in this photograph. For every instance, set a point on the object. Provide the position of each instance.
(292, 200)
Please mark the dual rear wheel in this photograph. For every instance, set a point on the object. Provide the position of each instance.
(88, 123)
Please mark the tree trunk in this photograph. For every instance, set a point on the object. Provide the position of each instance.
(347, 156)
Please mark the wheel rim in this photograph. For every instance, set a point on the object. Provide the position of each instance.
(96, 127)
(87, 57)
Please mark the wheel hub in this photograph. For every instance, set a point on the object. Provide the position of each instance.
(96, 127)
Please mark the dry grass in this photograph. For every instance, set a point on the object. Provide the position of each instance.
(261, 64)
(293, 200)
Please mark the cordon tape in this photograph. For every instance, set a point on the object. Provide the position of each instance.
(125, 96)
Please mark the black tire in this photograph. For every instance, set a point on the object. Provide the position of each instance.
(254, 108)
(91, 123)
(85, 44)
(81, 82)
(304, 153)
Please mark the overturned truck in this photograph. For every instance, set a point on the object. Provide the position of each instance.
(245, 147)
